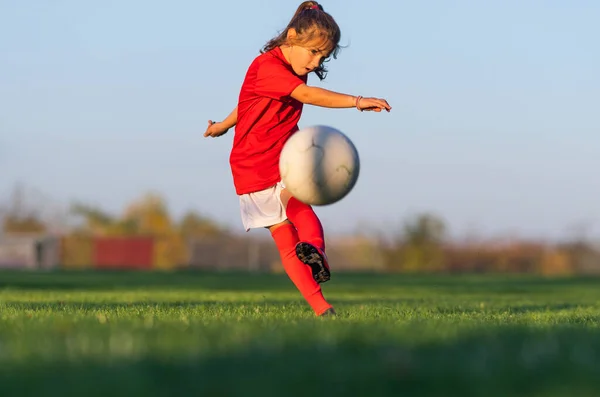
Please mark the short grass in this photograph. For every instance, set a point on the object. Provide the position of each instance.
(192, 334)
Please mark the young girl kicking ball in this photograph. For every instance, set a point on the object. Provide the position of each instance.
(269, 107)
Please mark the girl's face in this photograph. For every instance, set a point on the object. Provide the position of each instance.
(306, 57)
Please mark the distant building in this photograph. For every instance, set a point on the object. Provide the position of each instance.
(29, 251)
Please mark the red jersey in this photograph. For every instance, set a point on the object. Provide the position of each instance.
(266, 117)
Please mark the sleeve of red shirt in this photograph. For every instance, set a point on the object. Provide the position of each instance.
(275, 80)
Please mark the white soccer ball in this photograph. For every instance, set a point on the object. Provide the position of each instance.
(319, 165)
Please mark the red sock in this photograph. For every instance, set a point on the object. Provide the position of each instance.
(286, 238)
(306, 222)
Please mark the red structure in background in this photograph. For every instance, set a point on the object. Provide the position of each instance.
(123, 252)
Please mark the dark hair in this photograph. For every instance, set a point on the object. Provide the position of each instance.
(311, 21)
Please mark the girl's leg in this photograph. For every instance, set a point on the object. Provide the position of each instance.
(311, 246)
(304, 218)
(286, 240)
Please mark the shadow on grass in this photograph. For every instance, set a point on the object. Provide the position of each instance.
(468, 283)
(132, 280)
(248, 281)
(505, 361)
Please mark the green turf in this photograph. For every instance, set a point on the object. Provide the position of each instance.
(192, 334)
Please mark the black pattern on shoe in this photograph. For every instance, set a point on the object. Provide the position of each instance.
(310, 255)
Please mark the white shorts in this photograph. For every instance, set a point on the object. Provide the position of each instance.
(263, 208)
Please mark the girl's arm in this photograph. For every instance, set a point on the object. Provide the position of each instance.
(330, 99)
(231, 119)
(216, 129)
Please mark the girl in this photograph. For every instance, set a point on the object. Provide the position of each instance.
(269, 107)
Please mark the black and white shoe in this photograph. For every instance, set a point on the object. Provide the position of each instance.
(328, 313)
(317, 260)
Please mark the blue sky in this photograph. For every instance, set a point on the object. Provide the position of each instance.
(494, 125)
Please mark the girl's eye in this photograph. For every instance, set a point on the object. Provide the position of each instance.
(314, 52)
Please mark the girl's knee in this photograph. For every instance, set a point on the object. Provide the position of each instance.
(285, 197)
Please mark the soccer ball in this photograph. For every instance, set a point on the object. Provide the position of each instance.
(319, 165)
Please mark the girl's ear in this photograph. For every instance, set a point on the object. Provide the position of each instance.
(291, 34)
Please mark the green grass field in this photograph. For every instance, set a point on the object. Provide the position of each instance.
(148, 334)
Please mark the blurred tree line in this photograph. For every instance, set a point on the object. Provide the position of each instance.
(419, 244)
(147, 216)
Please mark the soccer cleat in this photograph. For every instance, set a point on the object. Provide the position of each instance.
(313, 257)
(328, 313)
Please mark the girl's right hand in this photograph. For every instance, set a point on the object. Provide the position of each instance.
(373, 104)
(215, 129)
